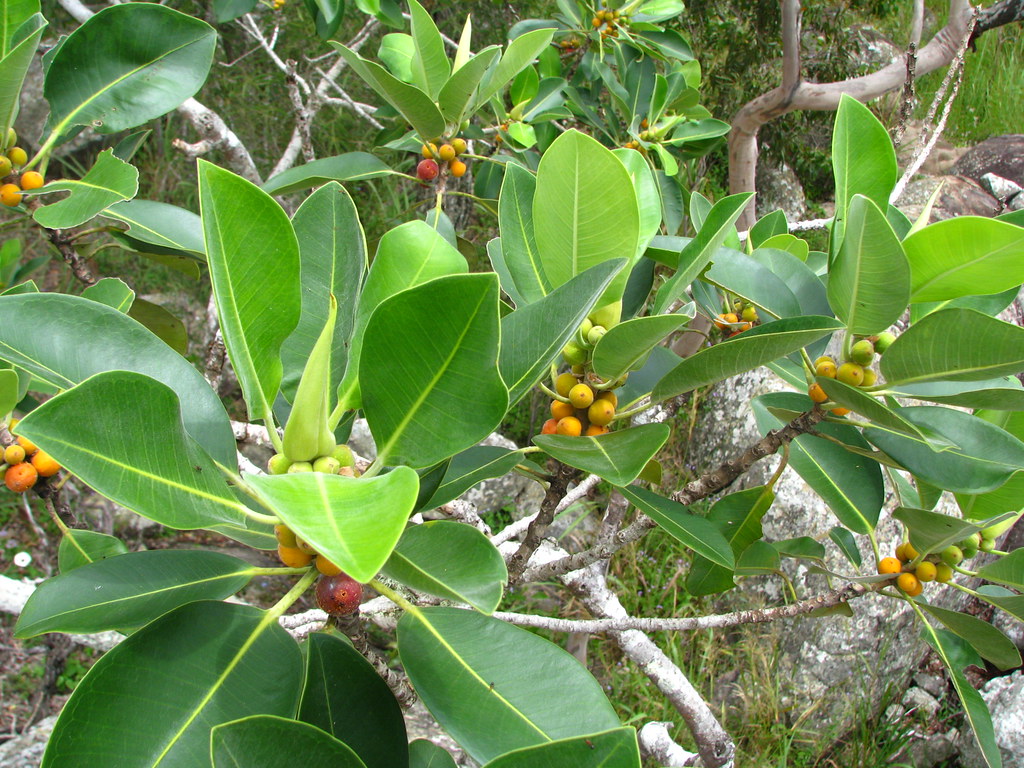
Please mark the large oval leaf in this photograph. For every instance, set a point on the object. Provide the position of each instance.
(619, 457)
(343, 694)
(458, 662)
(130, 590)
(277, 740)
(988, 641)
(254, 262)
(127, 64)
(154, 698)
(17, 50)
(739, 274)
(430, 379)
(64, 340)
(353, 522)
(519, 251)
(79, 547)
(691, 530)
(161, 225)
(450, 560)
(111, 180)
(625, 347)
(352, 166)
(466, 469)
(616, 748)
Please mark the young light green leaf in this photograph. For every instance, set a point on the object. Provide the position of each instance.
(691, 530)
(430, 65)
(619, 457)
(520, 53)
(277, 740)
(455, 95)
(16, 55)
(353, 522)
(625, 347)
(111, 291)
(161, 225)
(109, 181)
(351, 166)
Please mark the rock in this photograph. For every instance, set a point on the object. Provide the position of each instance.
(26, 750)
(940, 160)
(931, 750)
(420, 724)
(779, 187)
(1005, 699)
(1001, 155)
(933, 684)
(872, 50)
(919, 700)
(1001, 189)
(960, 196)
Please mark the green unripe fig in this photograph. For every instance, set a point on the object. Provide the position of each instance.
(952, 555)
(987, 545)
(969, 552)
(564, 383)
(971, 542)
(863, 352)
(12, 138)
(595, 334)
(5, 165)
(327, 465)
(299, 466)
(574, 354)
(583, 331)
(995, 531)
(851, 374)
(344, 455)
(608, 315)
(870, 378)
(278, 464)
(885, 340)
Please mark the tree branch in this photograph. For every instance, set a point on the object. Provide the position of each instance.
(556, 490)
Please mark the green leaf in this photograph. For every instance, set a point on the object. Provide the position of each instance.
(17, 54)
(932, 531)
(351, 166)
(14, 13)
(770, 225)
(161, 225)
(129, 590)
(950, 650)
(162, 323)
(584, 211)
(648, 195)
(125, 85)
(847, 544)
(749, 350)
(518, 243)
(64, 340)
(619, 457)
(456, 94)
(1006, 393)
(254, 260)
(332, 254)
(757, 559)
(343, 695)
(739, 274)
(110, 291)
(277, 740)
(229, 10)
(407, 256)
(798, 277)
(1008, 570)
(411, 102)
(863, 161)
(617, 748)
(430, 65)
(519, 54)
(167, 720)
(426, 754)
(470, 467)
(122, 434)
(451, 560)
(869, 281)
(353, 522)
(982, 458)
(458, 662)
(877, 411)
(396, 51)
(79, 547)
(109, 181)
(944, 346)
(790, 244)
(964, 256)
(992, 304)
(420, 366)
(693, 531)
(698, 252)
(988, 641)
(1008, 601)
(625, 347)
(533, 336)
(849, 483)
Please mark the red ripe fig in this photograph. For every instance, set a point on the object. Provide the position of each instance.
(339, 595)
(427, 170)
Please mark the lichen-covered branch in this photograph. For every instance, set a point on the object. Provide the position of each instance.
(555, 492)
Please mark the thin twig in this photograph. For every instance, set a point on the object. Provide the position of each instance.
(556, 490)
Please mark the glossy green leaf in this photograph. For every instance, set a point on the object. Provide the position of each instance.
(125, 85)
(79, 547)
(739, 274)
(877, 411)
(254, 260)
(757, 559)
(161, 323)
(799, 278)
(458, 662)
(129, 590)
(353, 522)
(863, 160)
(847, 544)
(992, 304)
(790, 244)
(103, 431)
(1005, 394)
(1008, 570)
(610, 749)
(470, 467)
(624, 347)
(770, 225)
(1008, 497)
(12, 390)
(109, 181)
(648, 196)
(693, 531)
(407, 256)
(849, 483)
(16, 54)
(982, 458)
(518, 244)
(332, 254)
(698, 252)
(229, 10)
(1004, 599)
(159, 692)
(343, 695)
(988, 641)
(933, 531)
(451, 560)
(277, 740)
(519, 54)
(533, 336)
(112, 292)
(37, 335)
(420, 366)
(749, 350)
(944, 345)
(584, 211)
(965, 256)
(426, 754)
(396, 51)
(619, 457)
(952, 652)
(869, 281)
(411, 102)
(456, 94)
(327, 15)
(351, 166)
(14, 13)
(430, 65)
(801, 547)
